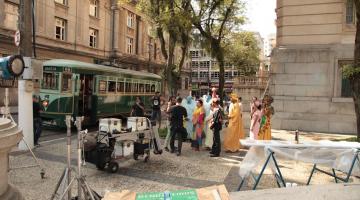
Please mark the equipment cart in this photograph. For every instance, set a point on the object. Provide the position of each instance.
(113, 143)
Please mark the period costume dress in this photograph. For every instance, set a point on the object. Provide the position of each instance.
(209, 135)
(198, 120)
(235, 130)
(255, 124)
(189, 104)
(265, 128)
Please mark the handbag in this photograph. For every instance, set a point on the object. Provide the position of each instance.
(184, 133)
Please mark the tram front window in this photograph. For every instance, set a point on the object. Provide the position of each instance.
(66, 83)
(50, 81)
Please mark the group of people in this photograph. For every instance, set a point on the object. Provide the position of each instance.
(200, 120)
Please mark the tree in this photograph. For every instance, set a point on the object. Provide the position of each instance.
(242, 50)
(215, 19)
(171, 19)
(353, 72)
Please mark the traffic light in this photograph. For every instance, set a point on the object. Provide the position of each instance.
(11, 66)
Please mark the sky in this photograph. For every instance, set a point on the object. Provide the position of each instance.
(261, 16)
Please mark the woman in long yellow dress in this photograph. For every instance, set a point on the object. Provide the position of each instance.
(198, 121)
(235, 130)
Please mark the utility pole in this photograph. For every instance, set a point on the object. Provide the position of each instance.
(25, 87)
(25, 27)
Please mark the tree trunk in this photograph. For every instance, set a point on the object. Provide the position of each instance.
(170, 65)
(182, 60)
(217, 51)
(355, 79)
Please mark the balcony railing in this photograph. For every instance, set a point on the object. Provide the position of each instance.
(251, 82)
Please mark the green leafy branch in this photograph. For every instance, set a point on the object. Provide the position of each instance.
(350, 70)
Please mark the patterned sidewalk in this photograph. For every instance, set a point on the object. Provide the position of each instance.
(162, 172)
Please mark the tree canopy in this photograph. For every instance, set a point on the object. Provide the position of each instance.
(172, 26)
(242, 50)
(215, 20)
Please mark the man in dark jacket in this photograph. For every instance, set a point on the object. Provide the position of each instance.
(216, 126)
(178, 114)
(36, 120)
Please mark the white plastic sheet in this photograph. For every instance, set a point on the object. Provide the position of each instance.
(337, 155)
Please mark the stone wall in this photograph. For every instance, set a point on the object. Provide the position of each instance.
(306, 86)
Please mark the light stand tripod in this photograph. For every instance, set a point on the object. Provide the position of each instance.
(5, 111)
(84, 190)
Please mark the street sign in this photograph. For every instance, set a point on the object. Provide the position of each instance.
(17, 38)
(5, 83)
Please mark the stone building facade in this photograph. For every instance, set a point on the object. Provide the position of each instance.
(315, 38)
(94, 31)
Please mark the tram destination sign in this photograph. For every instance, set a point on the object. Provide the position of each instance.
(7, 83)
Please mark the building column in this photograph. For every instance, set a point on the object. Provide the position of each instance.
(115, 30)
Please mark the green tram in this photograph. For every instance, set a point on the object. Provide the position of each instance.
(93, 91)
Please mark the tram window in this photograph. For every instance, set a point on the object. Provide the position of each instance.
(102, 86)
(141, 88)
(147, 88)
(112, 86)
(66, 82)
(128, 87)
(152, 88)
(120, 87)
(50, 81)
(134, 87)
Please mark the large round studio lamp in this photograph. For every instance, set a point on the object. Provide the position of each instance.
(12, 66)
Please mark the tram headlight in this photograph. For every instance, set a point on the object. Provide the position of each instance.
(12, 66)
(45, 103)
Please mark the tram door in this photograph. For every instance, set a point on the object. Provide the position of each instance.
(85, 95)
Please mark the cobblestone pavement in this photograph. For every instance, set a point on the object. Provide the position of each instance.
(162, 172)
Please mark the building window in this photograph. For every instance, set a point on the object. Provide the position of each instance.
(194, 54)
(345, 82)
(130, 45)
(194, 74)
(93, 34)
(350, 12)
(186, 83)
(94, 8)
(64, 2)
(130, 20)
(195, 64)
(204, 74)
(60, 28)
